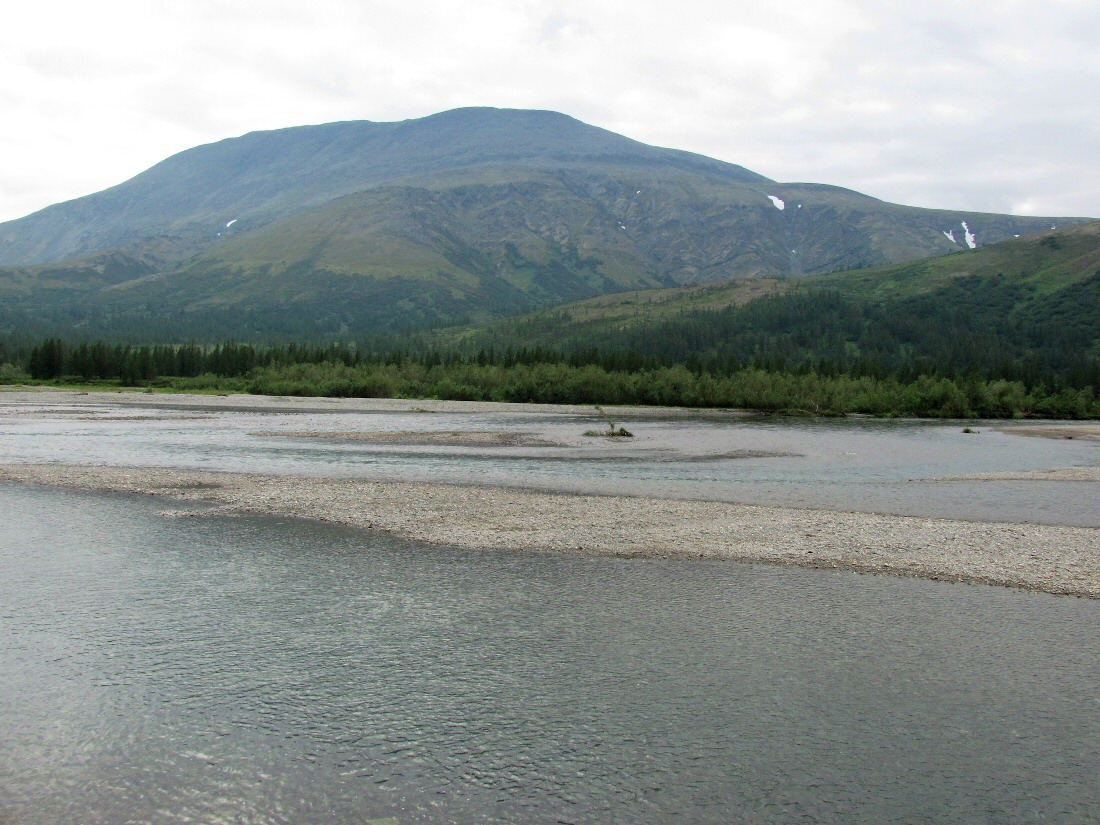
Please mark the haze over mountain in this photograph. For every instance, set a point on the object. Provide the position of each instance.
(361, 226)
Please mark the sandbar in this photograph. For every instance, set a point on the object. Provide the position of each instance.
(1053, 559)
(464, 438)
(1089, 474)
(15, 398)
(1084, 431)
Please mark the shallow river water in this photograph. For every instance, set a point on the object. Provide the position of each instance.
(248, 670)
(214, 669)
(858, 465)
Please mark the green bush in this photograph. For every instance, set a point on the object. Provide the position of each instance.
(12, 374)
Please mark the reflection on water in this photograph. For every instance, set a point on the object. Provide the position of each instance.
(862, 465)
(245, 670)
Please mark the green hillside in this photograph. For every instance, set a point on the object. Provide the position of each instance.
(351, 229)
(1028, 306)
(1012, 330)
(264, 176)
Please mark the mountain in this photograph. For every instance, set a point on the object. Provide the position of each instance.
(1025, 309)
(357, 227)
(262, 177)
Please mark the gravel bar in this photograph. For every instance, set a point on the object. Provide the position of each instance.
(1053, 559)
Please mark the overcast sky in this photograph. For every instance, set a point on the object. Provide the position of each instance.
(983, 105)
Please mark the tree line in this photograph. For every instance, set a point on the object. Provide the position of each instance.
(539, 374)
(988, 328)
(55, 359)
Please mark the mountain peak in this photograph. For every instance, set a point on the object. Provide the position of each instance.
(266, 175)
(466, 213)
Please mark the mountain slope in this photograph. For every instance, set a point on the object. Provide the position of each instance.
(265, 175)
(1028, 307)
(351, 228)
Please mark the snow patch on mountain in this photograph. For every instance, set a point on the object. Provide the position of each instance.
(231, 223)
(950, 235)
(971, 241)
(777, 202)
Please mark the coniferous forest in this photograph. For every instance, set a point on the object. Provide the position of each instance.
(369, 282)
(802, 351)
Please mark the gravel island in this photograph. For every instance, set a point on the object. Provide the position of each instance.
(1062, 560)
(1053, 559)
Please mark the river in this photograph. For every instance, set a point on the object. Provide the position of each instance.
(169, 669)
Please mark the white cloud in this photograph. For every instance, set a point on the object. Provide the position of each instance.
(981, 106)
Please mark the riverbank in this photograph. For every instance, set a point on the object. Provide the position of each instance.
(16, 398)
(1054, 559)
(1059, 560)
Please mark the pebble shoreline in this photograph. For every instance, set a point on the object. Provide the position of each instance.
(1052, 559)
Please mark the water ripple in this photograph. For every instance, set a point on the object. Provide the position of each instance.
(266, 671)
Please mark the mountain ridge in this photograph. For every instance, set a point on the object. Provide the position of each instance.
(335, 159)
(467, 214)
